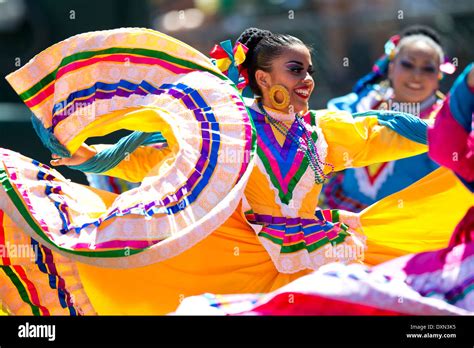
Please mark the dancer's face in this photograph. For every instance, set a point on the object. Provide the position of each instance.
(292, 69)
(414, 72)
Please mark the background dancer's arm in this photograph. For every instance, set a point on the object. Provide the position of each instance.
(451, 136)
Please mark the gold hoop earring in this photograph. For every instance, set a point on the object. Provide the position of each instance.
(284, 94)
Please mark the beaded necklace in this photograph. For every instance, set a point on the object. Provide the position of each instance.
(307, 146)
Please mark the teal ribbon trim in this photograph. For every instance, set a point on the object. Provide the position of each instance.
(407, 125)
(111, 157)
(48, 139)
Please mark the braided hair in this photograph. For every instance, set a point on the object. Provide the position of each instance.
(263, 47)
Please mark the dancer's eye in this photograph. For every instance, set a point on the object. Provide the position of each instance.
(429, 69)
(296, 70)
(407, 65)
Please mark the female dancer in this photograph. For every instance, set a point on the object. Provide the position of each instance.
(437, 282)
(409, 73)
(209, 216)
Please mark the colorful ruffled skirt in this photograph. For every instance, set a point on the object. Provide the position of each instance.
(71, 249)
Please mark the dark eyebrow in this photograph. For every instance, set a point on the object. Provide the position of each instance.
(425, 61)
(299, 63)
(294, 61)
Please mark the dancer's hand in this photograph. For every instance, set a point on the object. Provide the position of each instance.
(470, 78)
(83, 154)
(350, 219)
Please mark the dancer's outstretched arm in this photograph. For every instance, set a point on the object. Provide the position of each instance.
(373, 137)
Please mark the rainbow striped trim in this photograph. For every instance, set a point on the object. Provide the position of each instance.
(26, 289)
(455, 294)
(295, 234)
(201, 100)
(285, 165)
(44, 89)
(18, 276)
(183, 197)
(197, 181)
(26, 210)
(26, 282)
(46, 264)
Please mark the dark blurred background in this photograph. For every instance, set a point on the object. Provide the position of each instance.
(337, 29)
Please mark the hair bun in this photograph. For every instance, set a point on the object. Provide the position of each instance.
(422, 30)
(252, 36)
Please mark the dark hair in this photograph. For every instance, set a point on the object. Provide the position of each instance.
(381, 74)
(263, 46)
(428, 35)
(418, 29)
